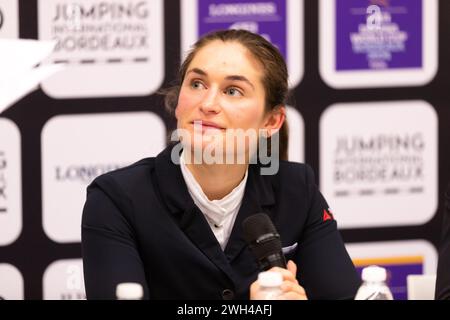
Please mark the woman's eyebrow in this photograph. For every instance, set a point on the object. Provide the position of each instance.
(240, 78)
(231, 77)
(198, 71)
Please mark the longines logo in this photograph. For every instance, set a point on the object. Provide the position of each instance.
(1, 18)
(3, 208)
(84, 173)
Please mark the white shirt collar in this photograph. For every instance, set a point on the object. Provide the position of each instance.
(215, 210)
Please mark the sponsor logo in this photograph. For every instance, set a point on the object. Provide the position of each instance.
(378, 43)
(266, 18)
(385, 163)
(391, 159)
(379, 36)
(72, 158)
(100, 26)
(10, 183)
(83, 173)
(107, 38)
(327, 215)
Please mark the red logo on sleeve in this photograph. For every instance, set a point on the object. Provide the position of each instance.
(327, 215)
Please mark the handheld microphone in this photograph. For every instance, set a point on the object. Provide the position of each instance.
(264, 241)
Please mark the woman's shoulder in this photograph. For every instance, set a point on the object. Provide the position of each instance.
(136, 173)
(301, 171)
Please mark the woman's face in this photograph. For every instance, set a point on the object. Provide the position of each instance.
(222, 89)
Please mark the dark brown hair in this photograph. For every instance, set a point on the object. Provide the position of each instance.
(275, 78)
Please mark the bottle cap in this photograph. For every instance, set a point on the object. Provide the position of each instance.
(374, 273)
(270, 279)
(129, 291)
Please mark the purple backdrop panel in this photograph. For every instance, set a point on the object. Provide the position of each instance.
(396, 44)
(267, 18)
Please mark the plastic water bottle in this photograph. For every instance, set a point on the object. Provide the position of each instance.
(129, 291)
(374, 285)
(270, 285)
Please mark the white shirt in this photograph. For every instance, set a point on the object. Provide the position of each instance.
(220, 214)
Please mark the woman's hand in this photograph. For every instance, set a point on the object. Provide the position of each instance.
(290, 287)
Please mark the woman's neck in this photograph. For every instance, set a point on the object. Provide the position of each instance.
(217, 180)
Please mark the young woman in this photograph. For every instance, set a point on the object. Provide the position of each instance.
(174, 223)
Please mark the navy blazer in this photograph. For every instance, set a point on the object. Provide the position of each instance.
(141, 225)
(443, 274)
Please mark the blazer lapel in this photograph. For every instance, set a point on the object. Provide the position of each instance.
(197, 229)
(258, 198)
(173, 191)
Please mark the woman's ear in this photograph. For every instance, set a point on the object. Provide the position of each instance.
(274, 119)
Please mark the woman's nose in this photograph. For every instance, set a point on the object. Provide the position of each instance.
(210, 102)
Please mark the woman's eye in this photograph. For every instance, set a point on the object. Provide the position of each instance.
(233, 92)
(197, 85)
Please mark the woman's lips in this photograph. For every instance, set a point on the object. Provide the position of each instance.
(206, 125)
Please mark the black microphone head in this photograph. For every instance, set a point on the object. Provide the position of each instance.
(264, 241)
(257, 225)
